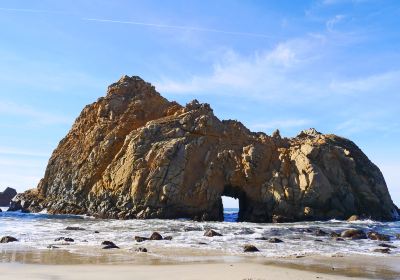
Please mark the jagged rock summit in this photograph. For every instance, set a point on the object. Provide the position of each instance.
(134, 154)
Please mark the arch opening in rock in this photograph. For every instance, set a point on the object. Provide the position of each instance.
(236, 198)
(231, 208)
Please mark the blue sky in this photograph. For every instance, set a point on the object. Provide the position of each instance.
(329, 64)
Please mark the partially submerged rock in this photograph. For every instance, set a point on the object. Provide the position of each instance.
(74, 228)
(275, 240)
(383, 251)
(141, 249)
(156, 236)
(134, 154)
(320, 232)
(140, 238)
(378, 236)
(8, 239)
(387, 245)
(250, 249)
(354, 234)
(353, 218)
(211, 233)
(66, 239)
(109, 245)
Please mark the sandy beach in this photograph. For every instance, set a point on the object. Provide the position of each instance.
(184, 271)
(60, 264)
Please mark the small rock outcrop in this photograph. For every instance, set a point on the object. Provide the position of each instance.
(6, 196)
(134, 154)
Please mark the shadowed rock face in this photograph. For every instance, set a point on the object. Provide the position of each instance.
(6, 196)
(134, 154)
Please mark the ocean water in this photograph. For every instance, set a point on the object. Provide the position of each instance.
(37, 231)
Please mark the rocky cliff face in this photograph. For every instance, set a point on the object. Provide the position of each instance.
(134, 154)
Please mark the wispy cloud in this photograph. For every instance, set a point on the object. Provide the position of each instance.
(330, 24)
(266, 75)
(179, 27)
(33, 116)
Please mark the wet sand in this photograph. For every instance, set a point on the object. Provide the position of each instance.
(158, 272)
(187, 264)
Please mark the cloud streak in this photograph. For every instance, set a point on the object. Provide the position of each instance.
(32, 115)
(180, 27)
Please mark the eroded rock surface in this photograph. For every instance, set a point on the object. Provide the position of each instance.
(6, 196)
(134, 154)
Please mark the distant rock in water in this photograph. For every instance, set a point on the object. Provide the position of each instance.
(134, 154)
(6, 196)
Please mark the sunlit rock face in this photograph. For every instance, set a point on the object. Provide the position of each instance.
(134, 154)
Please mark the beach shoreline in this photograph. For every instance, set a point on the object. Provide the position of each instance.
(61, 264)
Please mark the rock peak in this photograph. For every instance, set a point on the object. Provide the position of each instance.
(130, 86)
(309, 132)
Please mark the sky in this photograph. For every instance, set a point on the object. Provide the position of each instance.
(291, 65)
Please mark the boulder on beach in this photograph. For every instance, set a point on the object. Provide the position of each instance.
(134, 154)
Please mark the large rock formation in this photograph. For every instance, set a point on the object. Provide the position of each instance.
(6, 196)
(134, 154)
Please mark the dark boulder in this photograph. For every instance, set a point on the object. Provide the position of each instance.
(109, 245)
(211, 233)
(6, 196)
(8, 239)
(156, 236)
(250, 249)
